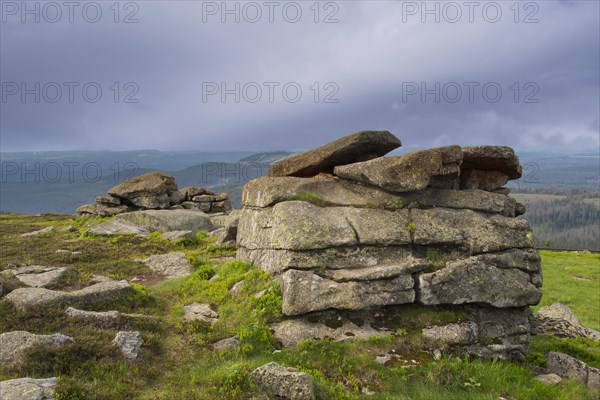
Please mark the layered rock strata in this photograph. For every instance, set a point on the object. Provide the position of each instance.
(432, 227)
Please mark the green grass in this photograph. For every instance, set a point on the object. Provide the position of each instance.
(177, 361)
(573, 279)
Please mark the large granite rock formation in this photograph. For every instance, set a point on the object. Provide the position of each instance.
(429, 227)
(154, 191)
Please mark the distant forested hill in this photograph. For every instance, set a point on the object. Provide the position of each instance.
(564, 219)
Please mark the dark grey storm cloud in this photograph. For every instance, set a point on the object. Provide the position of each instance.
(433, 73)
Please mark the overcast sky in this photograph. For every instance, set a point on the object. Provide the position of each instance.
(297, 75)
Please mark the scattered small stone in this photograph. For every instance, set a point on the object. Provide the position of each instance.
(279, 381)
(174, 236)
(200, 312)
(227, 344)
(129, 342)
(28, 389)
(40, 232)
(171, 265)
(214, 278)
(100, 279)
(15, 344)
(236, 290)
(260, 294)
(549, 379)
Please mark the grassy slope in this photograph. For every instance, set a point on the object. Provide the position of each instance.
(177, 362)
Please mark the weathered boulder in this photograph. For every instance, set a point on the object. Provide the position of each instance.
(474, 281)
(359, 146)
(569, 367)
(549, 379)
(410, 172)
(37, 275)
(150, 190)
(284, 382)
(15, 345)
(558, 320)
(200, 312)
(115, 201)
(498, 158)
(89, 297)
(129, 342)
(28, 389)
(171, 265)
(174, 236)
(144, 222)
(332, 191)
(305, 291)
(227, 344)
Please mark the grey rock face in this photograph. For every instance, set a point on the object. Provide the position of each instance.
(410, 172)
(293, 331)
(144, 222)
(28, 389)
(279, 381)
(569, 367)
(332, 191)
(172, 265)
(359, 146)
(37, 275)
(473, 281)
(200, 312)
(130, 343)
(489, 180)
(305, 291)
(115, 201)
(15, 344)
(89, 297)
(452, 334)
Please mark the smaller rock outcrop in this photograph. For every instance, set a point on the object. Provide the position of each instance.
(154, 191)
(286, 383)
(16, 344)
(28, 389)
(38, 232)
(227, 344)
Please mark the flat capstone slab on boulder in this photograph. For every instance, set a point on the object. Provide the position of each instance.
(284, 382)
(89, 297)
(359, 146)
(498, 158)
(28, 389)
(150, 190)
